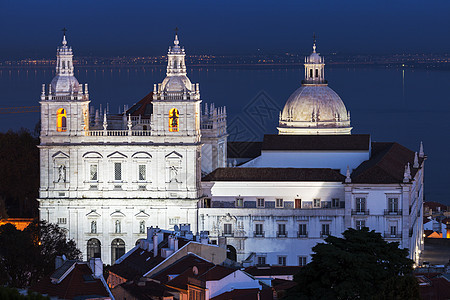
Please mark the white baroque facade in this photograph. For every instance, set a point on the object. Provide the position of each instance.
(106, 181)
(162, 163)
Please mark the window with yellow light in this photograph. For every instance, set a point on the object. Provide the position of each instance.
(61, 120)
(174, 120)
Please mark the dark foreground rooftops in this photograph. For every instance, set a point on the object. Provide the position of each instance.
(274, 174)
(353, 142)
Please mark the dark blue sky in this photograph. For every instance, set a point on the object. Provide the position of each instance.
(97, 27)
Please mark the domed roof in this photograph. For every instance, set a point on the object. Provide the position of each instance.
(63, 84)
(176, 84)
(318, 102)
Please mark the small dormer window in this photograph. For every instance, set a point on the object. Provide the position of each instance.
(61, 120)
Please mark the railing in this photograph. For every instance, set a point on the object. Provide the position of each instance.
(227, 234)
(258, 233)
(394, 212)
(282, 234)
(302, 234)
(391, 235)
(360, 211)
(118, 133)
(324, 234)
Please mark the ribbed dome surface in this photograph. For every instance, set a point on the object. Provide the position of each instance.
(176, 84)
(314, 99)
(65, 84)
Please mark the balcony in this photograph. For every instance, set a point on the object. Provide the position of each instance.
(392, 212)
(228, 234)
(282, 234)
(360, 211)
(302, 234)
(324, 234)
(391, 235)
(258, 233)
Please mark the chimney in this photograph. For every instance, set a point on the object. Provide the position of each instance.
(59, 261)
(155, 244)
(171, 242)
(175, 244)
(96, 265)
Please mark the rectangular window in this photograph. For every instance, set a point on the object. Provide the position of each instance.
(260, 202)
(174, 221)
(281, 230)
(302, 261)
(93, 172)
(360, 205)
(282, 260)
(259, 231)
(316, 203)
(325, 204)
(207, 202)
(279, 203)
(142, 172)
(261, 260)
(239, 202)
(335, 202)
(302, 230)
(393, 204)
(325, 230)
(227, 229)
(117, 171)
(62, 221)
(360, 224)
(393, 230)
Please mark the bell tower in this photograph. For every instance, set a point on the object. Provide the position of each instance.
(314, 67)
(64, 102)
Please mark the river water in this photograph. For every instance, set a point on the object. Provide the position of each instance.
(402, 105)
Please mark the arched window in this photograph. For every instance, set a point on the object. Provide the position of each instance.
(174, 120)
(61, 120)
(117, 249)
(138, 241)
(93, 248)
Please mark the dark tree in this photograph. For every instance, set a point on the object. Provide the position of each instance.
(26, 256)
(361, 265)
(13, 294)
(19, 172)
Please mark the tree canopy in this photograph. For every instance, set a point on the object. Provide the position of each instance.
(361, 265)
(26, 256)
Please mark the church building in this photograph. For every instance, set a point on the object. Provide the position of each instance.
(163, 162)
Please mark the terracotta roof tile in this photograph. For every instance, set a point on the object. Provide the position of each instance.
(73, 285)
(274, 174)
(144, 107)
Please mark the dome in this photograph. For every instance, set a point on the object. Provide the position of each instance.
(176, 84)
(62, 84)
(317, 102)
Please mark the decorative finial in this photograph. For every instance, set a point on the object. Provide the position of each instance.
(405, 175)
(105, 122)
(176, 41)
(416, 161)
(421, 153)
(64, 42)
(314, 42)
(347, 177)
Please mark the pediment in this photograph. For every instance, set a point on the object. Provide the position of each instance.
(141, 155)
(142, 214)
(93, 214)
(117, 154)
(118, 214)
(92, 154)
(174, 155)
(60, 155)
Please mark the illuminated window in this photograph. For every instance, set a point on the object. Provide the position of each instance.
(61, 120)
(174, 120)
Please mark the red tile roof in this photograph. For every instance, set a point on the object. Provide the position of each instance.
(439, 289)
(246, 294)
(73, 285)
(274, 174)
(144, 107)
(144, 289)
(216, 273)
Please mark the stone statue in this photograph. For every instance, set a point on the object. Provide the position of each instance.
(142, 227)
(117, 226)
(173, 173)
(62, 173)
(94, 227)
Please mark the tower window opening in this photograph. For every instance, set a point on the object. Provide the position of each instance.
(310, 73)
(61, 120)
(174, 120)
(317, 72)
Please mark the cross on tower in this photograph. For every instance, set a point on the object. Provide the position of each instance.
(64, 30)
(176, 30)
